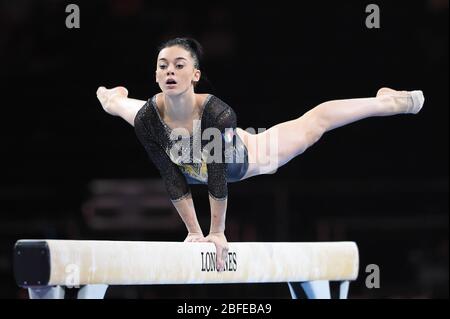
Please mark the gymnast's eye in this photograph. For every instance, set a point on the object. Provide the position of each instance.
(180, 66)
(162, 66)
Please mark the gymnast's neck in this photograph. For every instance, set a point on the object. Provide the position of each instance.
(180, 107)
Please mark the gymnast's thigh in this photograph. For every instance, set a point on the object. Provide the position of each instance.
(258, 163)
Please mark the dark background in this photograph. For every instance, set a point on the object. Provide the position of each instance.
(381, 182)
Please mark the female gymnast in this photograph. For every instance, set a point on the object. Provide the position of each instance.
(179, 111)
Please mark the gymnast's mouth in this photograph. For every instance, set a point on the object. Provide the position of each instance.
(171, 81)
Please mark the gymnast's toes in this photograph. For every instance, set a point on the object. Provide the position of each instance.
(409, 102)
(417, 101)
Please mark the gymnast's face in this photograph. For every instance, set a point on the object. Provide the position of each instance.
(175, 70)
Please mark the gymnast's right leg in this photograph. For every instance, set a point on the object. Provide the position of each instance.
(276, 146)
(116, 102)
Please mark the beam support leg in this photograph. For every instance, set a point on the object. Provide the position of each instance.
(56, 292)
(319, 289)
(92, 292)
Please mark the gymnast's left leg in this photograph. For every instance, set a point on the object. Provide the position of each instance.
(295, 136)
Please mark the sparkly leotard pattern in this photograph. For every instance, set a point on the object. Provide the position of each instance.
(180, 170)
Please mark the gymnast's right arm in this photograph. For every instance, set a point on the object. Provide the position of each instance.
(176, 184)
(116, 102)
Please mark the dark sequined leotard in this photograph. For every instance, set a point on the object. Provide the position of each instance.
(179, 169)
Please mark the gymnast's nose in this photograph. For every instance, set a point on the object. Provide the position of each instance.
(170, 70)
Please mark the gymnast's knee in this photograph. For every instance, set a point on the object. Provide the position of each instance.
(313, 129)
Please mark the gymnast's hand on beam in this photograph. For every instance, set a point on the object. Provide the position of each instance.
(222, 248)
(194, 237)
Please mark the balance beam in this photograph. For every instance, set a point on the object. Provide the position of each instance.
(44, 266)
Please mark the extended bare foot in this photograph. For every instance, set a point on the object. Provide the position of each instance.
(405, 101)
(106, 96)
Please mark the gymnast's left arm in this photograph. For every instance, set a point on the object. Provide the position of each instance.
(217, 230)
(218, 189)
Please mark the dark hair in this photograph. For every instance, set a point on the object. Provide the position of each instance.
(189, 44)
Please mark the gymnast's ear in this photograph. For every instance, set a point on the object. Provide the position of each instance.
(197, 75)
